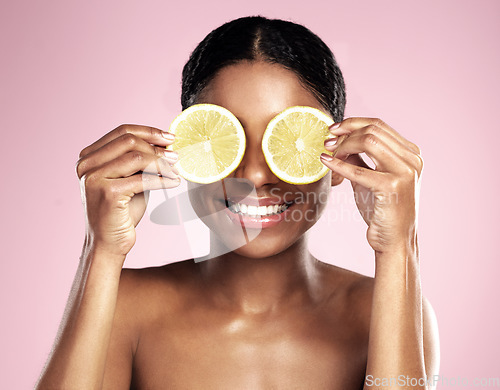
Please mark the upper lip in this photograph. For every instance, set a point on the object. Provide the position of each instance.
(263, 201)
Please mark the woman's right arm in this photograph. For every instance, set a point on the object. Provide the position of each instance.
(114, 173)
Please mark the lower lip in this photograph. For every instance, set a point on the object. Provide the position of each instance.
(257, 222)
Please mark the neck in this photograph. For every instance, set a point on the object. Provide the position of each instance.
(260, 285)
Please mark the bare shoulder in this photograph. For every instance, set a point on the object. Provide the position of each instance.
(147, 294)
(150, 280)
(355, 294)
(143, 296)
(351, 293)
(350, 283)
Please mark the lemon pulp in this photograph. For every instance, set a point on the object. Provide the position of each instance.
(293, 142)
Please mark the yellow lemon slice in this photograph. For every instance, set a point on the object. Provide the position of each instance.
(210, 142)
(293, 142)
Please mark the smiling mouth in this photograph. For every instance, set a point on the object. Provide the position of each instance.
(257, 211)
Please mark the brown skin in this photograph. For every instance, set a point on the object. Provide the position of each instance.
(267, 315)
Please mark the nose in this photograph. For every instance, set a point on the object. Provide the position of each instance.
(253, 166)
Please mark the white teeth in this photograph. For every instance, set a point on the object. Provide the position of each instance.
(252, 210)
(242, 208)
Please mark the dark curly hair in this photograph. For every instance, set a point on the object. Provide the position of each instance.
(272, 40)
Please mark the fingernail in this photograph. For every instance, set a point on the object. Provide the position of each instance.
(168, 136)
(326, 157)
(331, 142)
(170, 156)
(335, 125)
(170, 175)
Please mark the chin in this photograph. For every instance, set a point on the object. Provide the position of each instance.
(262, 247)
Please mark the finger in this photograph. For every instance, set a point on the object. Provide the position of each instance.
(150, 134)
(356, 159)
(349, 125)
(332, 144)
(365, 176)
(117, 147)
(133, 162)
(409, 156)
(139, 183)
(377, 150)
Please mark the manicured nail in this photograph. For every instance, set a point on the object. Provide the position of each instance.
(170, 175)
(331, 142)
(326, 157)
(171, 156)
(335, 125)
(168, 136)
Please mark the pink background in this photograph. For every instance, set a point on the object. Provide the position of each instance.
(72, 71)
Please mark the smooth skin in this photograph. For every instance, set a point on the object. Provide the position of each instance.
(267, 315)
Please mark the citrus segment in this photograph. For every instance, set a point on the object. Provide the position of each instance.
(293, 142)
(210, 142)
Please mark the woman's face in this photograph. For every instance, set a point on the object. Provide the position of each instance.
(255, 92)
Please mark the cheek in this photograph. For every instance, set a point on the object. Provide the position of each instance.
(202, 198)
(207, 201)
(319, 193)
(311, 202)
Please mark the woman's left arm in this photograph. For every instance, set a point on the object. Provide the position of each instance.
(403, 348)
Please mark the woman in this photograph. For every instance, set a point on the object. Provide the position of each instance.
(266, 315)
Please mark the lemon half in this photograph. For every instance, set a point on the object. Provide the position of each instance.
(210, 142)
(293, 142)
